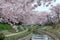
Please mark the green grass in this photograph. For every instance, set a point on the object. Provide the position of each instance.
(4, 26)
(46, 27)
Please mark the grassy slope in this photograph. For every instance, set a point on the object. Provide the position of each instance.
(55, 30)
(4, 26)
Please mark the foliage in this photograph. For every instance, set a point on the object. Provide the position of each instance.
(21, 28)
(56, 26)
(2, 36)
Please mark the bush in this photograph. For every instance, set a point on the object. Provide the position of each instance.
(2, 36)
(56, 26)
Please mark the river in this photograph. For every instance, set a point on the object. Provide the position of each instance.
(40, 37)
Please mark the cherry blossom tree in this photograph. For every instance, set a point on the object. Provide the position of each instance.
(56, 9)
(20, 11)
(15, 11)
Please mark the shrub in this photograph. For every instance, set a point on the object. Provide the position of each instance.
(56, 26)
(2, 36)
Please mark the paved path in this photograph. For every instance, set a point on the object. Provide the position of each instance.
(28, 37)
(16, 33)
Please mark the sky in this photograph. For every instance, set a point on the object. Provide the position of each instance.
(44, 8)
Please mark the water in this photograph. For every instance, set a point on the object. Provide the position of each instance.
(40, 37)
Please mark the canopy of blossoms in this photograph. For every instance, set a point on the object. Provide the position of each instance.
(26, 11)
